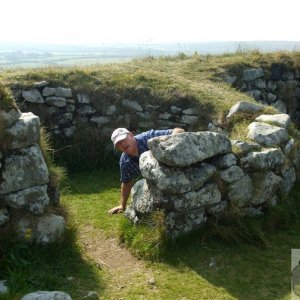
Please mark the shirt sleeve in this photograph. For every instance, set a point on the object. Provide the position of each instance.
(154, 133)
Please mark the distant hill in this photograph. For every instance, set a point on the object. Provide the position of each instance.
(33, 55)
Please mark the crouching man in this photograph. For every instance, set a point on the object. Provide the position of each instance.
(132, 148)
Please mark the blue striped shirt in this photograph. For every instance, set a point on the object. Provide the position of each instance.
(129, 165)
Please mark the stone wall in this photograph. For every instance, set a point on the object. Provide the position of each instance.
(253, 179)
(64, 110)
(75, 119)
(196, 175)
(278, 87)
(24, 179)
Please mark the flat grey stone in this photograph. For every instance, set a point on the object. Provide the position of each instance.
(252, 74)
(186, 148)
(33, 96)
(243, 106)
(282, 120)
(264, 160)
(46, 295)
(267, 135)
(56, 101)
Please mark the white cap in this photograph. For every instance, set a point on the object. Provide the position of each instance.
(118, 135)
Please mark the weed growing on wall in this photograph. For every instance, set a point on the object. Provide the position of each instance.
(7, 101)
(57, 174)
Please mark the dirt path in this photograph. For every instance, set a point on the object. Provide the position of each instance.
(120, 267)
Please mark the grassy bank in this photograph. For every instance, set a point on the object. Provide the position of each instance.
(164, 79)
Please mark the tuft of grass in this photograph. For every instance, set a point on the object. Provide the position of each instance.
(57, 174)
(146, 240)
(7, 101)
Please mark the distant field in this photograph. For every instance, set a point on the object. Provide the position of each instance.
(59, 60)
(43, 55)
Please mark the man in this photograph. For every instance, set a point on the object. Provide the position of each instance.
(132, 147)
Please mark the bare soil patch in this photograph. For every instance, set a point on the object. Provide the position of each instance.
(121, 270)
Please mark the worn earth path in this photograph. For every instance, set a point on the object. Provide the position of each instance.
(123, 273)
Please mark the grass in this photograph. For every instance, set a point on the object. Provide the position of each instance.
(198, 78)
(29, 268)
(192, 268)
(238, 270)
(7, 102)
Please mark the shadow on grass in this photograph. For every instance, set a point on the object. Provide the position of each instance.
(92, 182)
(58, 266)
(245, 271)
(61, 266)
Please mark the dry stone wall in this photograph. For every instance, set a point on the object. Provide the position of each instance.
(24, 179)
(278, 86)
(63, 109)
(194, 176)
(253, 180)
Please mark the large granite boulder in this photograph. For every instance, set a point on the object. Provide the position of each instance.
(22, 169)
(43, 229)
(174, 180)
(33, 199)
(24, 132)
(184, 149)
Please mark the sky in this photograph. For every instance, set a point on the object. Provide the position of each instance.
(148, 21)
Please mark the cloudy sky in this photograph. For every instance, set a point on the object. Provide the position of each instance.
(148, 21)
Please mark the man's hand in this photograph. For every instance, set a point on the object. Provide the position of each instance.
(125, 191)
(116, 210)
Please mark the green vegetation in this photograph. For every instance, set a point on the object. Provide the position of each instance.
(229, 258)
(7, 101)
(216, 265)
(57, 174)
(199, 78)
(28, 268)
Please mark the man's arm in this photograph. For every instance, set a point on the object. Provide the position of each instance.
(177, 130)
(125, 192)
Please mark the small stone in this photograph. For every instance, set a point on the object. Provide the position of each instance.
(3, 287)
(151, 281)
(212, 262)
(41, 84)
(91, 294)
(47, 295)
